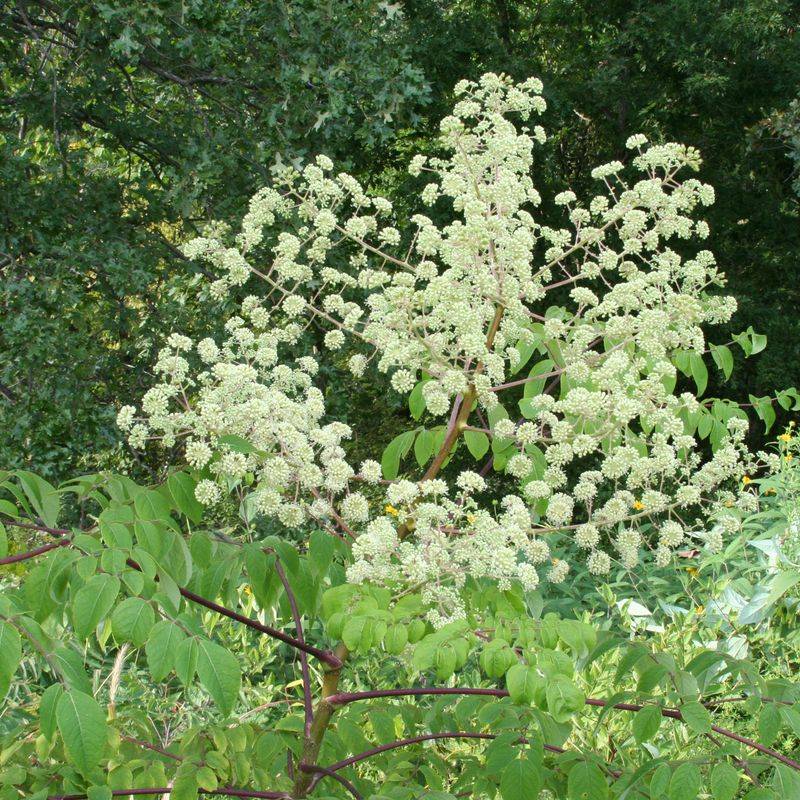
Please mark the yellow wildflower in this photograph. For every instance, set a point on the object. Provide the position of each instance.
(391, 510)
(747, 479)
(638, 505)
(785, 437)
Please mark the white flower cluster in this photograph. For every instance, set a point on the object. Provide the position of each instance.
(602, 455)
(250, 415)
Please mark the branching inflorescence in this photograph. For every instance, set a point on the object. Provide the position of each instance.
(600, 456)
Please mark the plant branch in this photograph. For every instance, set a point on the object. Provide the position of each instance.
(326, 656)
(325, 772)
(46, 548)
(154, 790)
(323, 711)
(150, 746)
(426, 737)
(673, 713)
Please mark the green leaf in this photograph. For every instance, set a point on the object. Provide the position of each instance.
(416, 400)
(761, 793)
(92, 602)
(525, 348)
(321, 548)
(82, 725)
(786, 781)
(723, 358)
(563, 698)
(184, 787)
(181, 487)
(219, 673)
(522, 682)
(586, 782)
(186, 660)
(10, 655)
(353, 631)
(696, 716)
(780, 585)
(646, 723)
(659, 782)
(535, 385)
(724, 781)
(132, 620)
(70, 665)
(44, 497)
(237, 444)
(99, 793)
(206, 779)
(477, 443)
(769, 723)
(423, 447)
(759, 341)
(152, 506)
(699, 372)
(162, 647)
(395, 639)
(685, 782)
(520, 780)
(47, 710)
(395, 451)
(765, 410)
(445, 661)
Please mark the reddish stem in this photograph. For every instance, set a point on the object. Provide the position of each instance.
(350, 697)
(35, 527)
(46, 548)
(324, 771)
(326, 656)
(674, 713)
(426, 737)
(150, 746)
(222, 791)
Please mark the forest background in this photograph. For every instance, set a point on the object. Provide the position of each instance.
(126, 126)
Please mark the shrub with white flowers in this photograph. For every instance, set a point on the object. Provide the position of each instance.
(597, 452)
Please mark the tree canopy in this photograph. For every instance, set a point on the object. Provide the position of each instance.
(128, 126)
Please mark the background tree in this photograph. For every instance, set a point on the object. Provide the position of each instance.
(124, 127)
(131, 124)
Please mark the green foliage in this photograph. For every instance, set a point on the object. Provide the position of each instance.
(513, 699)
(145, 643)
